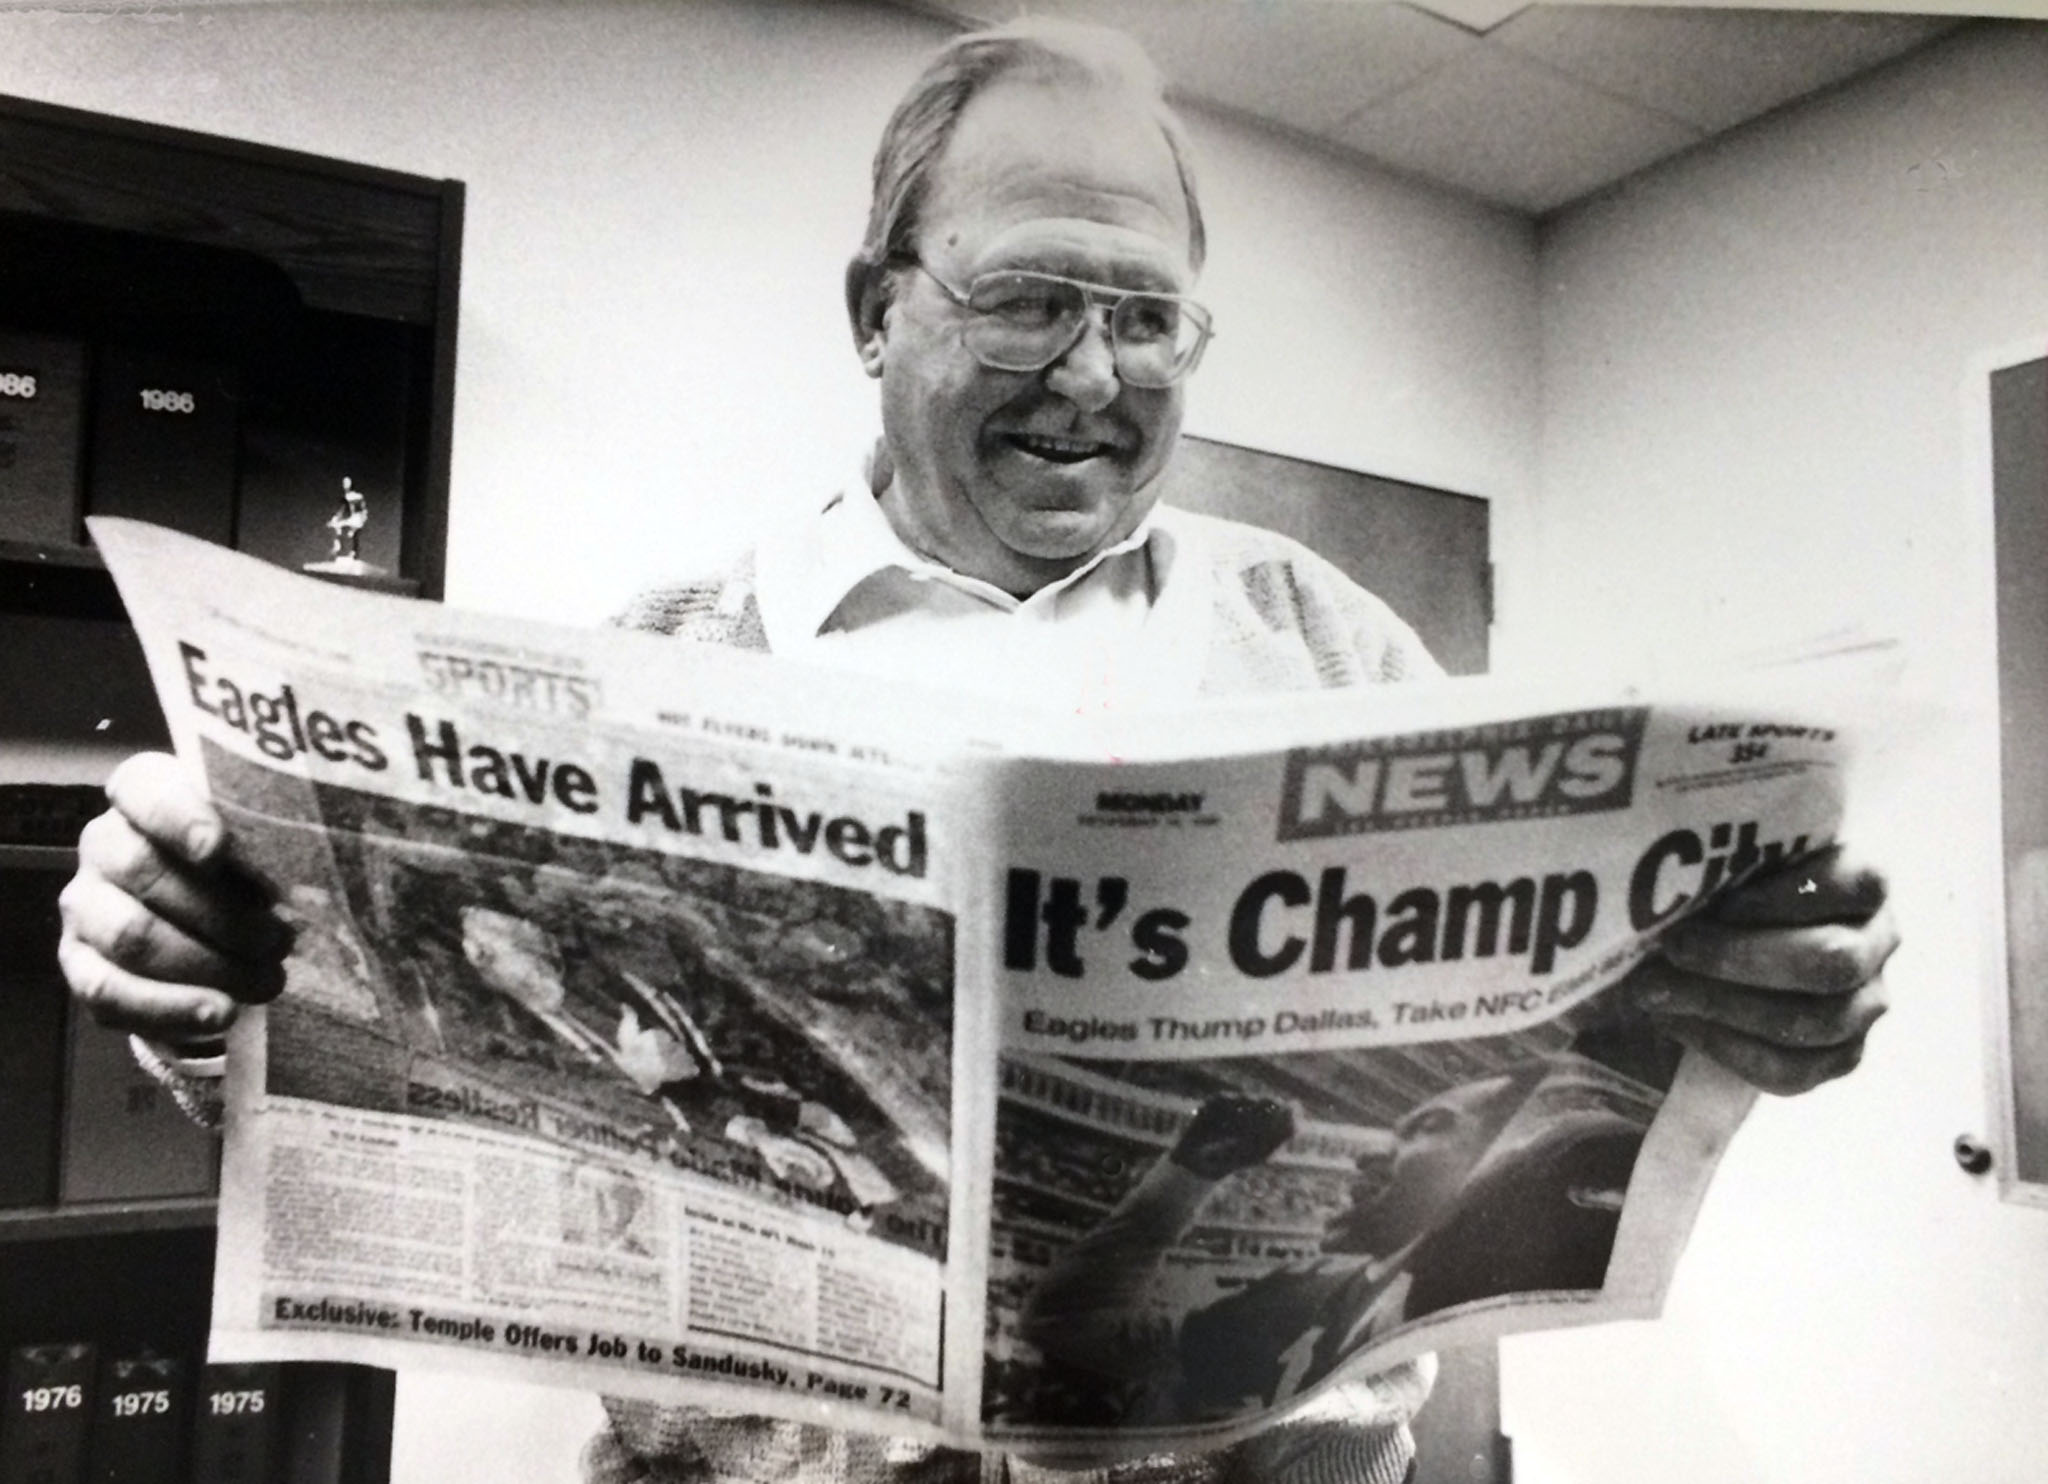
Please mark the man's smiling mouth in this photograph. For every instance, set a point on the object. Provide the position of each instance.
(1056, 450)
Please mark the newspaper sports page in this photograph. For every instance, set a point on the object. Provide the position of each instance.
(617, 1047)
(669, 1021)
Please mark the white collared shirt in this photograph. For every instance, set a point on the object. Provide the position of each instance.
(841, 588)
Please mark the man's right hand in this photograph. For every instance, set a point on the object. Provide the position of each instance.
(164, 936)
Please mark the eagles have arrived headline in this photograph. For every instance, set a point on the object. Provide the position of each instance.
(284, 726)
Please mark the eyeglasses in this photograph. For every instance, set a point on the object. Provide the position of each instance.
(1025, 320)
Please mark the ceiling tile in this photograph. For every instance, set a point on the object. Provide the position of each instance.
(1474, 15)
(1710, 68)
(1303, 63)
(1512, 131)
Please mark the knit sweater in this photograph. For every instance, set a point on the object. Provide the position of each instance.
(1279, 617)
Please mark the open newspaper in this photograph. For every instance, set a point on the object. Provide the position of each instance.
(672, 1021)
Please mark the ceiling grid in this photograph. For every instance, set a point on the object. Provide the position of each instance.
(1527, 107)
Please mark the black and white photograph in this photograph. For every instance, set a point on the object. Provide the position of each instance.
(1192, 1241)
(1095, 357)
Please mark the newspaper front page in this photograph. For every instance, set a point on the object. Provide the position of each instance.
(1315, 1050)
(675, 1022)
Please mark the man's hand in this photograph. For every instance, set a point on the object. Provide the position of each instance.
(1778, 978)
(163, 935)
(1232, 1131)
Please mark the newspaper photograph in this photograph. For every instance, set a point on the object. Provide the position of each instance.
(648, 1016)
(682, 1023)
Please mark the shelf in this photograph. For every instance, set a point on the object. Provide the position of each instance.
(349, 237)
(38, 554)
(40, 1223)
(38, 858)
(58, 581)
(320, 296)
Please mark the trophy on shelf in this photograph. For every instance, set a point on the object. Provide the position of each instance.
(345, 564)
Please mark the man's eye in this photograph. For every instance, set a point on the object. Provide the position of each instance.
(1022, 303)
(1028, 309)
(1149, 319)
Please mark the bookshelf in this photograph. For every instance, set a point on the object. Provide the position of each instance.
(212, 334)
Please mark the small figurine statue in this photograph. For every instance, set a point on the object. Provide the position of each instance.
(347, 524)
(346, 565)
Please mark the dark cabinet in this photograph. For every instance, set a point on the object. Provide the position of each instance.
(213, 335)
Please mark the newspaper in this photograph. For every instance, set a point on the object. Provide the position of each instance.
(670, 1021)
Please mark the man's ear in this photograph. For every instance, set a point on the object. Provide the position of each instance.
(868, 289)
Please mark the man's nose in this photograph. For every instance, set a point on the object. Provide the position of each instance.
(1086, 374)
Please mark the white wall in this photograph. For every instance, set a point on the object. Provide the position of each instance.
(660, 202)
(1754, 430)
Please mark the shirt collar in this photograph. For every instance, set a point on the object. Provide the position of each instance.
(807, 570)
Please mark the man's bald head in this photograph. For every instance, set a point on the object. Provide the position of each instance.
(1029, 50)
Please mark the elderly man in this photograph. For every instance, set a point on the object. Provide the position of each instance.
(1021, 298)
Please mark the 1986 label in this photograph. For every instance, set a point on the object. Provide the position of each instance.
(158, 399)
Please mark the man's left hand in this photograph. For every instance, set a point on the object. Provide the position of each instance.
(1777, 979)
